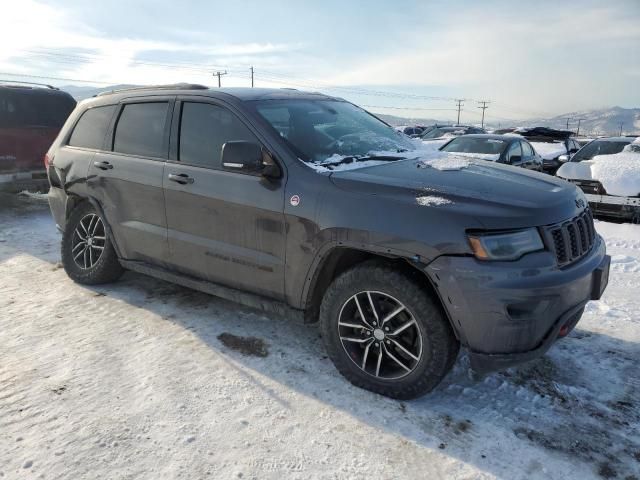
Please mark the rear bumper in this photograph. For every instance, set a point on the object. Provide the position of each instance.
(506, 313)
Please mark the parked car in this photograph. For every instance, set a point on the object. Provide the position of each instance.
(305, 204)
(507, 149)
(31, 116)
(554, 146)
(412, 131)
(608, 172)
(454, 130)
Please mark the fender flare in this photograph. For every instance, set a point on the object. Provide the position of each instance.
(324, 252)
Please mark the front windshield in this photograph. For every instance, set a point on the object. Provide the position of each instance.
(491, 146)
(317, 130)
(598, 148)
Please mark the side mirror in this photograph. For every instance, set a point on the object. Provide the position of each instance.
(248, 157)
(563, 158)
(515, 159)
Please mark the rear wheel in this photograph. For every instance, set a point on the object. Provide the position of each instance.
(385, 333)
(88, 255)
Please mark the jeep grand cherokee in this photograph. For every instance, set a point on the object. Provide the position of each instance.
(300, 202)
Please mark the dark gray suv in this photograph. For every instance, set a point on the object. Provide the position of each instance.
(303, 203)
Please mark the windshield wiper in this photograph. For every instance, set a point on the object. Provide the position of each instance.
(360, 158)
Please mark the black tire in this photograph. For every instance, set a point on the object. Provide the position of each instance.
(106, 268)
(439, 347)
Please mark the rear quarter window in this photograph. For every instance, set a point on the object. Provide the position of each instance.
(140, 129)
(92, 127)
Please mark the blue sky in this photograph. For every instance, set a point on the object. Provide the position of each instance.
(409, 58)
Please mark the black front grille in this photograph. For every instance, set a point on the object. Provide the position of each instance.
(573, 239)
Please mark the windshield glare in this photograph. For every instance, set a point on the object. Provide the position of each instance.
(598, 148)
(475, 145)
(319, 129)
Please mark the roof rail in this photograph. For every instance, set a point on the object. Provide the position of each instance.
(174, 86)
(18, 83)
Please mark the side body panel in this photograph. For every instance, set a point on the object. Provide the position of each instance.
(224, 226)
(129, 188)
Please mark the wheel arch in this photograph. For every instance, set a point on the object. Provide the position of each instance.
(74, 201)
(340, 258)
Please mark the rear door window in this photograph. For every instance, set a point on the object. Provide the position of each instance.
(204, 129)
(92, 127)
(527, 151)
(515, 153)
(140, 129)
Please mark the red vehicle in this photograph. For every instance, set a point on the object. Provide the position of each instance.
(31, 116)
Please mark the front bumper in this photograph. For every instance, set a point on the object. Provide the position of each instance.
(507, 313)
(612, 206)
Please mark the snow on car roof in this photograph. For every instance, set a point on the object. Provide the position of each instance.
(549, 150)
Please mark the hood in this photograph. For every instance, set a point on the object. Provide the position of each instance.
(497, 196)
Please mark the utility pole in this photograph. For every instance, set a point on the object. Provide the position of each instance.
(219, 74)
(621, 124)
(460, 105)
(568, 118)
(578, 131)
(483, 107)
(251, 76)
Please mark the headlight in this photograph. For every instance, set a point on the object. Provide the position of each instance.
(505, 246)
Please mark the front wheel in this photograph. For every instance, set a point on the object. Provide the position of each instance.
(88, 255)
(385, 333)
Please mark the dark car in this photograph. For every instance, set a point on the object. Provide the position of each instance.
(507, 149)
(412, 131)
(30, 118)
(441, 131)
(554, 146)
(305, 204)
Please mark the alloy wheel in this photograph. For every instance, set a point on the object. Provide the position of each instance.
(88, 241)
(380, 335)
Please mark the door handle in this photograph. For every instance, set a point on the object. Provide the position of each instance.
(103, 165)
(182, 178)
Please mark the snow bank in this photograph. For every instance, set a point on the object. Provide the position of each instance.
(549, 150)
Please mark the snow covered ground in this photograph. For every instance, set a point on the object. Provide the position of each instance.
(142, 379)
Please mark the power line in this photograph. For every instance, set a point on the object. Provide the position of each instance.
(219, 74)
(483, 107)
(274, 77)
(54, 78)
(410, 108)
(460, 105)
